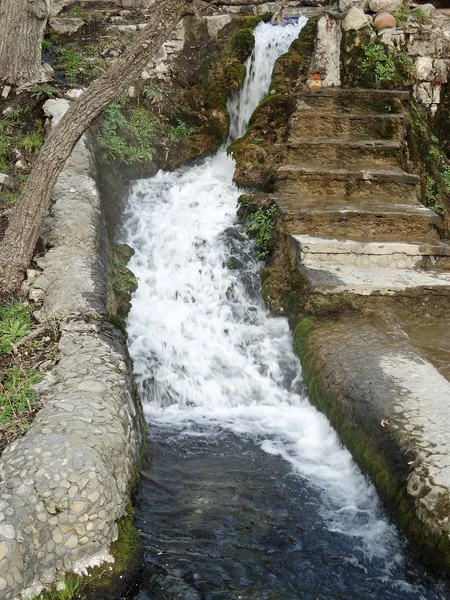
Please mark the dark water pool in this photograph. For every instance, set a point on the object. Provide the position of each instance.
(223, 520)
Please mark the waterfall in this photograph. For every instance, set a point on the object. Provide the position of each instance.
(209, 357)
(270, 43)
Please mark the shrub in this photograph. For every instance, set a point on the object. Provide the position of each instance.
(260, 225)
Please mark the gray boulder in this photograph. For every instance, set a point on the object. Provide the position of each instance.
(66, 25)
(389, 5)
(355, 19)
(346, 5)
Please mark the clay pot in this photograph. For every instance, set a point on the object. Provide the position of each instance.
(384, 20)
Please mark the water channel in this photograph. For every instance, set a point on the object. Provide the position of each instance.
(246, 491)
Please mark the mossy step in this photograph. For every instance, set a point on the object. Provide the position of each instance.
(363, 219)
(352, 183)
(318, 124)
(323, 151)
(349, 100)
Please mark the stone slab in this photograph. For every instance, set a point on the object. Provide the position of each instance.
(395, 399)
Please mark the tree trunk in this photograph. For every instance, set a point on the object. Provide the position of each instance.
(17, 246)
(22, 24)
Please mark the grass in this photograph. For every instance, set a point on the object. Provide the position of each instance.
(18, 400)
(70, 61)
(15, 323)
(402, 14)
(32, 142)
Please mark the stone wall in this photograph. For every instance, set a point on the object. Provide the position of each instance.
(64, 485)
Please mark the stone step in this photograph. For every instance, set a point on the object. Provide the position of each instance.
(325, 253)
(347, 126)
(353, 184)
(351, 100)
(323, 151)
(330, 279)
(364, 219)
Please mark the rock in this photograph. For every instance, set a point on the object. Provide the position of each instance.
(6, 180)
(424, 67)
(355, 19)
(389, 5)
(21, 165)
(429, 10)
(137, 3)
(442, 66)
(216, 23)
(5, 91)
(427, 93)
(66, 25)
(325, 64)
(123, 27)
(56, 6)
(74, 94)
(392, 37)
(48, 69)
(346, 5)
(56, 109)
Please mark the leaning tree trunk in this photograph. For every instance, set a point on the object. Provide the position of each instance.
(22, 24)
(17, 246)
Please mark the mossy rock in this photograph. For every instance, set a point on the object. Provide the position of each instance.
(274, 108)
(123, 283)
(243, 43)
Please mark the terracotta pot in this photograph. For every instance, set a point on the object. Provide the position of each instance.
(384, 20)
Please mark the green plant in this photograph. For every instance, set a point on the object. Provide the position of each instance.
(152, 92)
(432, 197)
(127, 140)
(377, 61)
(181, 130)
(70, 61)
(257, 140)
(43, 90)
(260, 225)
(446, 177)
(46, 45)
(68, 592)
(420, 14)
(32, 142)
(15, 323)
(406, 63)
(403, 13)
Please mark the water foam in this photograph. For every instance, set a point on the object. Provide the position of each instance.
(207, 354)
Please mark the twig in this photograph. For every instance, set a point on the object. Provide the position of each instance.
(31, 336)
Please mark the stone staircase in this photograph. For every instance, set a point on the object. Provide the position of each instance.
(354, 215)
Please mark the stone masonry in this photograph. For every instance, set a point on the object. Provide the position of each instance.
(64, 484)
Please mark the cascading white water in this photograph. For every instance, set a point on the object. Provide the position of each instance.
(270, 43)
(207, 354)
(203, 349)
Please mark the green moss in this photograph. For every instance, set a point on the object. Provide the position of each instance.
(243, 42)
(428, 159)
(123, 282)
(273, 108)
